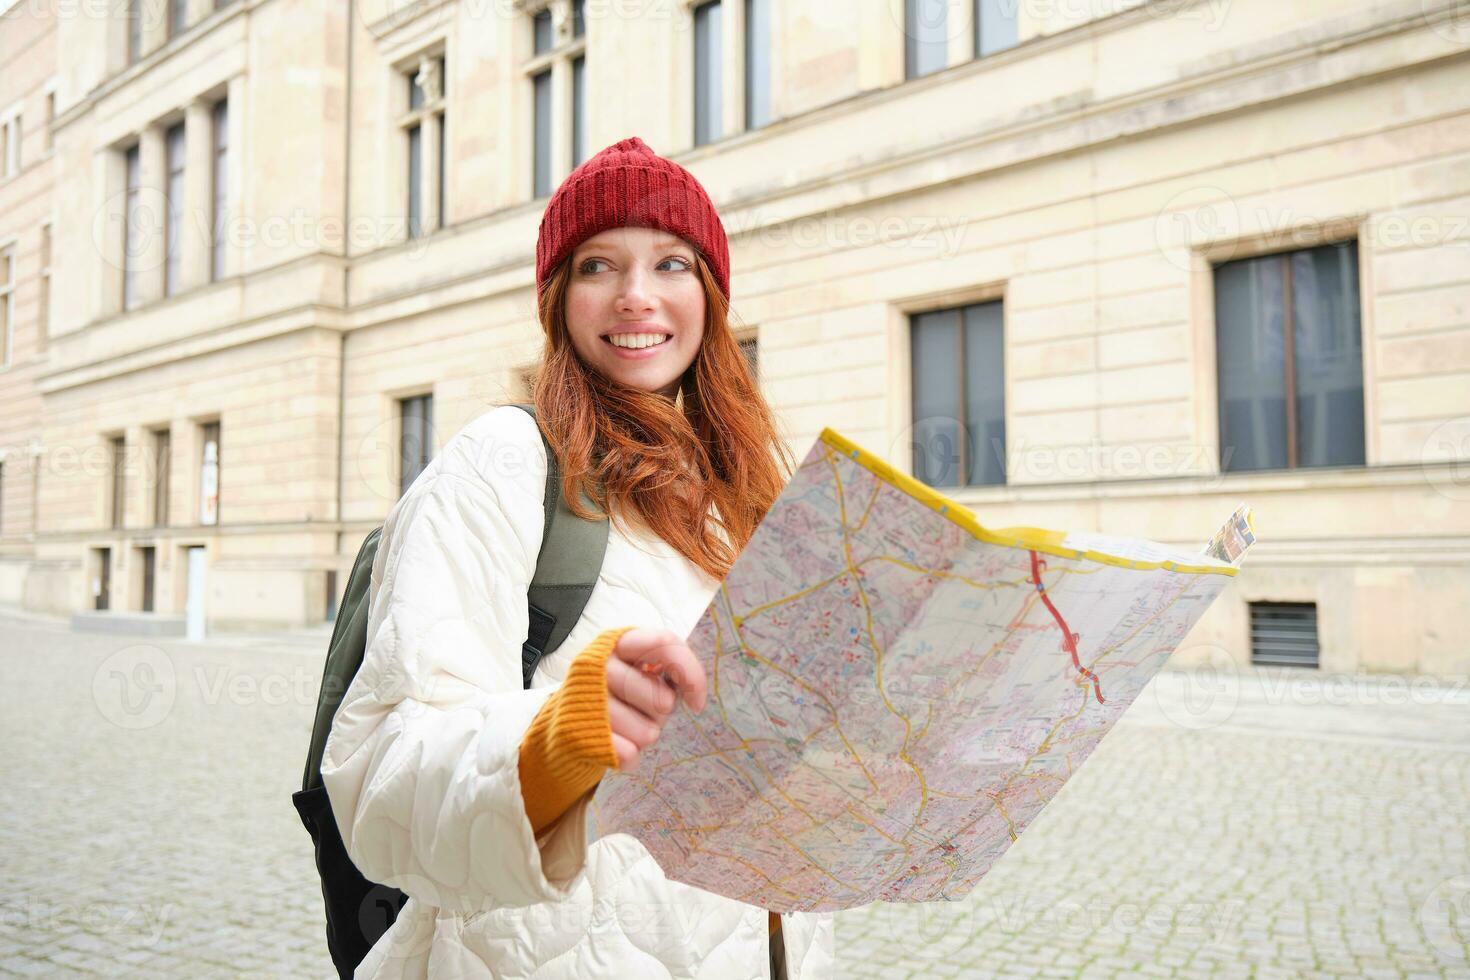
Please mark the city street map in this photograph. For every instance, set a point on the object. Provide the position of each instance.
(895, 691)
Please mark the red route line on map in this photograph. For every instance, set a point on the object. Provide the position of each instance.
(1069, 639)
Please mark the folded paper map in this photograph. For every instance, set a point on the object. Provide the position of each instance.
(896, 691)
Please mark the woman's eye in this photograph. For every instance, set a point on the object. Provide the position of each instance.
(589, 262)
(684, 264)
(675, 258)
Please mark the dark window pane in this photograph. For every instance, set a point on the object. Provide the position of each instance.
(708, 73)
(995, 25)
(926, 42)
(542, 148)
(176, 13)
(135, 29)
(750, 347)
(579, 18)
(415, 91)
(416, 416)
(443, 215)
(541, 25)
(415, 171)
(132, 230)
(985, 407)
(174, 208)
(1329, 356)
(938, 454)
(1251, 364)
(579, 111)
(217, 256)
(757, 63)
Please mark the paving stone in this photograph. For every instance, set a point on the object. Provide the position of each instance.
(1314, 841)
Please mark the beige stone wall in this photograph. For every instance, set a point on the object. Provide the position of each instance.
(28, 54)
(1087, 178)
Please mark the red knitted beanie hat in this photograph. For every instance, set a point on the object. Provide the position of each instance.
(629, 184)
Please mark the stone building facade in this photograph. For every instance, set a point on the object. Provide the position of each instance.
(1079, 263)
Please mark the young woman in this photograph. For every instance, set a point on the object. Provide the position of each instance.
(451, 783)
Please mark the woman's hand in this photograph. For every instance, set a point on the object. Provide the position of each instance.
(639, 696)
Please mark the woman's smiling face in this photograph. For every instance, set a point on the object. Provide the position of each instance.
(636, 285)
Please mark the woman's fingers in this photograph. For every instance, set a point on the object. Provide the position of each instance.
(646, 692)
(632, 725)
(626, 752)
(663, 652)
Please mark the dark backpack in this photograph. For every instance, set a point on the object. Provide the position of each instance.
(360, 911)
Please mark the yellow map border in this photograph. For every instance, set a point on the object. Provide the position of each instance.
(1030, 538)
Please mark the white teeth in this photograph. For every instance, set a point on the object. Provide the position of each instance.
(637, 340)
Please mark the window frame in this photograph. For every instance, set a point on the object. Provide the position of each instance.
(750, 66)
(175, 152)
(117, 502)
(1341, 236)
(424, 401)
(132, 192)
(914, 45)
(978, 31)
(205, 427)
(423, 126)
(43, 279)
(708, 83)
(556, 110)
(219, 188)
(961, 312)
(162, 447)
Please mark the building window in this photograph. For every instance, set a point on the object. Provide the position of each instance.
(43, 315)
(541, 85)
(709, 73)
(750, 347)
(757, 63)
(162, 444)
(134, 14)
(579, 111)
(995, 26)
(1289, 348)
(958, 360)
(423, 127)
(119, 479)
(10, 132)
(926, 36)
(415, 438)
(558, 38)
(149, 572)
(176, 17)
(132, 234)
(7, 302)
(50, 120)
(219, 190)
(209, 473)
(173, 207)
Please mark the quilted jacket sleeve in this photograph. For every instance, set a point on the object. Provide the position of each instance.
(421, 763)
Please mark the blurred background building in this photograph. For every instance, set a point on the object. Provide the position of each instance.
(1085, 264)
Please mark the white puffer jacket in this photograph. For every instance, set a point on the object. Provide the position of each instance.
(421, 763)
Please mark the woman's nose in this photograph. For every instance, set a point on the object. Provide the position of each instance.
(634, 293)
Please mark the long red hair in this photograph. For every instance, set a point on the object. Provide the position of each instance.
(635, 451)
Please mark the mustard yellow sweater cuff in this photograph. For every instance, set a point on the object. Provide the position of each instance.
(569, 744)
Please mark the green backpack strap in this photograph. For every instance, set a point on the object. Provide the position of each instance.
(566, 567)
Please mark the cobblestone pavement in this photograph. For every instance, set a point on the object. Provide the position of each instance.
(1227, 827)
